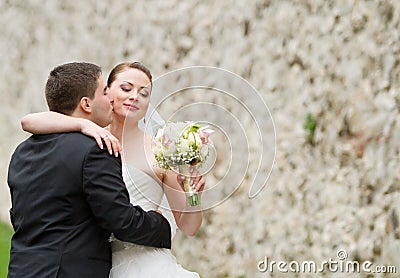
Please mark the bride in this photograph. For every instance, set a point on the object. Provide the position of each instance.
(129, 87)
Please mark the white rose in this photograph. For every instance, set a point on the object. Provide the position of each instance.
(184, 144)
(171, 149)
(157, 149)
(159, 134)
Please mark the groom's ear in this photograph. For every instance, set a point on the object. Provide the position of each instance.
(86, 104)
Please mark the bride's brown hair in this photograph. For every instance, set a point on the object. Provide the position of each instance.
(125, 66)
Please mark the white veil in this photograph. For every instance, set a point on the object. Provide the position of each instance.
(154, 121)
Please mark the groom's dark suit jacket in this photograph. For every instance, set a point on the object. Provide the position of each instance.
(67, 197)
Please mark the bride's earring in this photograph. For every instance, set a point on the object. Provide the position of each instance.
(144, 120)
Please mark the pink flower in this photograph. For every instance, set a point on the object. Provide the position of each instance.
(204, 137)
(166, 141)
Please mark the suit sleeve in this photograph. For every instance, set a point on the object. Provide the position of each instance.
(108, 199)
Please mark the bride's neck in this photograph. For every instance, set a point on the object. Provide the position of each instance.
(122, 128)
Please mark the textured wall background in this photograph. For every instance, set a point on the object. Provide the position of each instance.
(338, 60)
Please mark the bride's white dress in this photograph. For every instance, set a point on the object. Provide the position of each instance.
(130, 260)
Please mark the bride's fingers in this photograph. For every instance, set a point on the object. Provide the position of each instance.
(200, 185)
(99, 141)
(195, 177)
(107, 141)
(112, 143)
(116, 146)
(197, 182)
(194, 181)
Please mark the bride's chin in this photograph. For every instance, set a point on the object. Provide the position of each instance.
(131, 118)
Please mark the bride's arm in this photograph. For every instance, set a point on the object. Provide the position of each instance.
(53, 122)
(187, 218)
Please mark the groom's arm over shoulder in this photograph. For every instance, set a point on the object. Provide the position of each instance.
(108, 198)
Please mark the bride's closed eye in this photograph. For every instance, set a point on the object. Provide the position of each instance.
(145, 92)
(125, 88)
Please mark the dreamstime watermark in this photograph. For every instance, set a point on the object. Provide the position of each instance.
(339, 265)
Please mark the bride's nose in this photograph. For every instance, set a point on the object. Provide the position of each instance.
(133, 95)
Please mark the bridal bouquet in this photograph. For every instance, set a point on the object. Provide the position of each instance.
(180, 145)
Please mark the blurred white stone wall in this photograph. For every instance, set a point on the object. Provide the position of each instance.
(339, 60)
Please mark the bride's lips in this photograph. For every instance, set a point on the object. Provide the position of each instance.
(131, 107)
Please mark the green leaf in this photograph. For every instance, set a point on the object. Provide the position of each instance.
(309, 126)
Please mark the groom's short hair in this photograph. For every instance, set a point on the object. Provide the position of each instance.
(68, 83)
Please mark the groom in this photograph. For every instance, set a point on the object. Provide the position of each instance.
(68, 195)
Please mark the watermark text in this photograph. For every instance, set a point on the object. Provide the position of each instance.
(339, 265)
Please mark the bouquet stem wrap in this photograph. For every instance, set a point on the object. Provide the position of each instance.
(193, 197)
